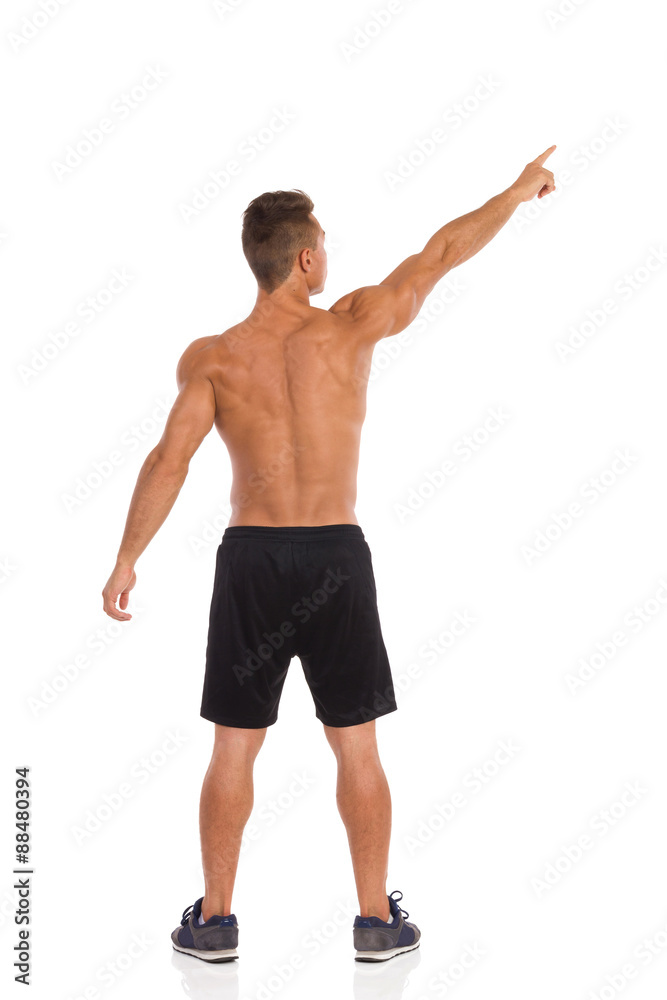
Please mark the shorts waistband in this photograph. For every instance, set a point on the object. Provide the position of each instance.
(293, 533)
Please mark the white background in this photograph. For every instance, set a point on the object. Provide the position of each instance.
(360, 99)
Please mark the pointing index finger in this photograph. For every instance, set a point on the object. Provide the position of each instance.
(543, 156)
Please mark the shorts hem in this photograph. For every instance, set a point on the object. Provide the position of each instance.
(226, 720)
(370, 717)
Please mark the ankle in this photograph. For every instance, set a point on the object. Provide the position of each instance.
(214, 907)
(380, 910)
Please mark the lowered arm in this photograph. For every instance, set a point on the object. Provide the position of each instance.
(162, 475)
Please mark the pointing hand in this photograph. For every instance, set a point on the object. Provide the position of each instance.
(535, 179)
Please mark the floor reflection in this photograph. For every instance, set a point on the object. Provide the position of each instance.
(203, 981)
(384, 980)
(371, 980)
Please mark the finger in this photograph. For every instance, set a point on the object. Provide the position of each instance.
(543, 156)
(124, 598)
(112, 611)
(117, 615)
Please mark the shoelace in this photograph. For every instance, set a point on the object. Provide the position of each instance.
(392, 895)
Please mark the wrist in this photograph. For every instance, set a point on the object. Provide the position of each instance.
(124, 562)
(513, 194)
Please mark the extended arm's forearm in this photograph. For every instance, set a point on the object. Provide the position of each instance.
(462, 238)
(157, 487)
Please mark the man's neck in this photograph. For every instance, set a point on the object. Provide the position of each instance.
(291, 296)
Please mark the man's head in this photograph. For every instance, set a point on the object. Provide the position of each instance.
(282, 237)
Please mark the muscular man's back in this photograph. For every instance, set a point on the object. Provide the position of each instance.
(290, 400)
(286, 388)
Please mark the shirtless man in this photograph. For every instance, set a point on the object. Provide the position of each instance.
(286, 390)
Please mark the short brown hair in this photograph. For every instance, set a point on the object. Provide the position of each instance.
(276, 227)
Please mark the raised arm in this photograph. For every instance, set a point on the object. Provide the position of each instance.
(163, 473)
(383, 310)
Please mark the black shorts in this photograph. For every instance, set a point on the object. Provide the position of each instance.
(295, 591)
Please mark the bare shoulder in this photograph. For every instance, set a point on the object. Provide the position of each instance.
(361, 301)
(368, 310)
(196, 359)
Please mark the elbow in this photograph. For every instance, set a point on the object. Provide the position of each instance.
(453, 255)
(167, 465)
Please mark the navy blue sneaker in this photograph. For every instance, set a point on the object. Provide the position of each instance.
(378, 941)
(214, 941)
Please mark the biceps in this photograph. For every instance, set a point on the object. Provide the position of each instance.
(190, 419)
(418, 273)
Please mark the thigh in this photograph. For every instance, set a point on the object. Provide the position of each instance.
(340, 645)
(247, 652)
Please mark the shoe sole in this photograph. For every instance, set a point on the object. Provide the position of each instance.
(209, 956)
(383, 956)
